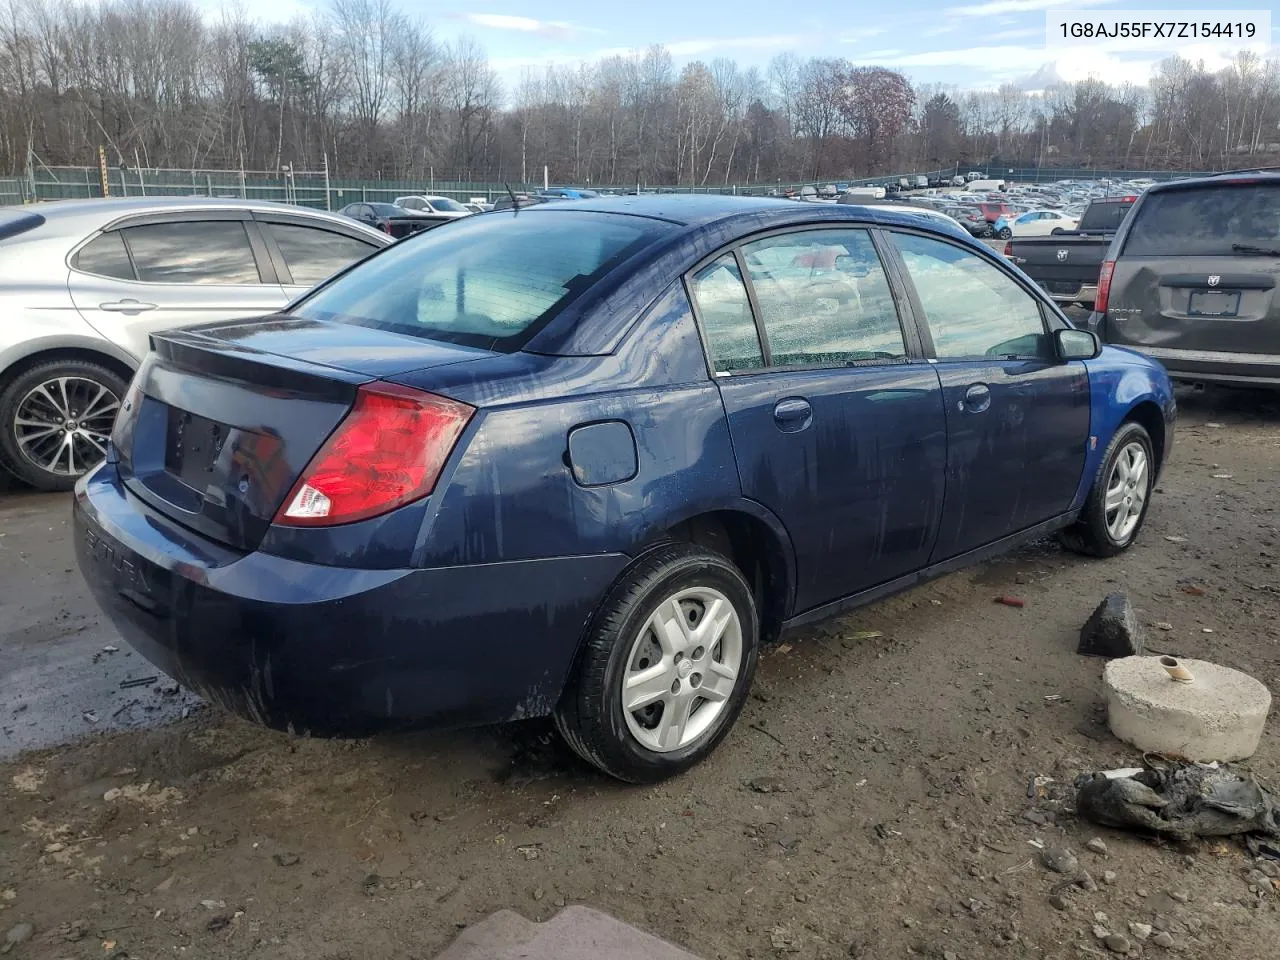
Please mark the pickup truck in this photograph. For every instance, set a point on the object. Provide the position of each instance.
(1067, 264)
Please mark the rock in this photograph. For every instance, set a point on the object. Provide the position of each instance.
(768, 785)
(1086, 882)
(1180, 895)
(1100, 931)
(1098, 846)
(1140, 931)
(214, 904)
(538, 893)
(1058, 902)
(1117, 943)
(1035, 816)
(1268, 868)
(1194, 924)
(286, 859)
(1113, 630)
(1163, 939)
(1109, 877)
(1260, 882)
(19, 933)
(112, 794)
(1059, 860)
(218, 923)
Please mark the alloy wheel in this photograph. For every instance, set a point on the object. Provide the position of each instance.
(682, 669)
(62, 425)
(1126, 491)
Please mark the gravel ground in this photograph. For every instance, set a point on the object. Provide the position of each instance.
(872, 802)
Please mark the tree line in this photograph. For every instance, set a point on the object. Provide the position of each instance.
(373, 92)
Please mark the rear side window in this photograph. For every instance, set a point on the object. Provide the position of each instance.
(486, 281)
(725, 312)
(204, 252)
(824, 298)
(312, 254)
(1207, 221)
(105, 257)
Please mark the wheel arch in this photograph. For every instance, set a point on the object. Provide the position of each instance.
(46, 349)
(1147, 414)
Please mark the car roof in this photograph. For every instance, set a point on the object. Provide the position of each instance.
(1217, 180)
(701, 210)
(94, 213)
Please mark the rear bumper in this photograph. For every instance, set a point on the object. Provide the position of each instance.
(1084, 293)
(335, 651)
(1241, 369)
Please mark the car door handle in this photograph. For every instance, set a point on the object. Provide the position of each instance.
(792, 414)
(976, 399)
(127, 305)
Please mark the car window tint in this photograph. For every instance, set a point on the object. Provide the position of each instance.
(313, 254)
(973, 309)
(486, 281)
(106, 257)
(1206, 221)
(725, 311)
(824, 298)
(210, 251)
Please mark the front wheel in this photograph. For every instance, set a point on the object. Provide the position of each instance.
(1117, 505)
(1006, 233)
(666, 668)
(55, 420)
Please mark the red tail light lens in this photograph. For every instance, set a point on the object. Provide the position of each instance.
(386, 226)
(387, 451)
(1008, 248)
(1104, 286)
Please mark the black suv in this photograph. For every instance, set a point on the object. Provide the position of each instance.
(1191, 278)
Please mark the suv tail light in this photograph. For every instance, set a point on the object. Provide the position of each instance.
(1104, 286)
(386, 452)
(1008, 248)
(385, 226)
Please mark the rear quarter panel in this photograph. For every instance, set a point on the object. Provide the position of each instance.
(1119, 381)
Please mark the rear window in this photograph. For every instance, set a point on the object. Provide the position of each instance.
(486, 282)
(1206, 221)
(1105, 217)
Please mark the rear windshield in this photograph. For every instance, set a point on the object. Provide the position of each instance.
(1105, 217)
(1206, 221)
(486, 282)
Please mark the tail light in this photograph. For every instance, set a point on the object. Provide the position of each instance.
(1104, 286)
(1008, 248)
(386, 452)
(385, 226)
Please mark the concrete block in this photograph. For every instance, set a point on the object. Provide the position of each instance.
(575, 933)
(1218, 716)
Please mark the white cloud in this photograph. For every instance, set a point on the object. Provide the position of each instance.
(693, 48)
(861, 33)
(994, 7)
(542, 28)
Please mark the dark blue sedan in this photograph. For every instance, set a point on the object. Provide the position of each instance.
(584, 458)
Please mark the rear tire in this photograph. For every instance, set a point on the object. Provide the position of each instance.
(1116, 509)
(39, 405)
(678, 635)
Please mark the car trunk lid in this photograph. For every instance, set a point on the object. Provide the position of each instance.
(217, 428)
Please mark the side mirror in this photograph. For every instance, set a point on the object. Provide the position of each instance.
(1076, 344)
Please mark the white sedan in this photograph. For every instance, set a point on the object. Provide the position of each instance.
(1035, 223)
(438, 206)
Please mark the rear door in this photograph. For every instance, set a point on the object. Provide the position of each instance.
(1196, 276)
(836, 420)
(1017, 417)
(169, 271)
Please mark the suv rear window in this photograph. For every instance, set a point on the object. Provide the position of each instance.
(1206, 221)
(485, 282)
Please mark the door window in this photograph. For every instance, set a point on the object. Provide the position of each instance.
(973, 309)
(105, 257)
(725, 312)
(824, 298)
(203, 252)
(313, 254)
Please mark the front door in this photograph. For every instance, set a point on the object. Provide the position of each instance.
(1017, 417)
(836, 423)
(136, 280)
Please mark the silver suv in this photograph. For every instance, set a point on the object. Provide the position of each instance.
(84, 283)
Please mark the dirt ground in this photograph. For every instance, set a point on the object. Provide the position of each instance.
(896, 822)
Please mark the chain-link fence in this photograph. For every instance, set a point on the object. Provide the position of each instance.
(318, 189)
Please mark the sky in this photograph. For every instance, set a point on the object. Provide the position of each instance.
(971, 44)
